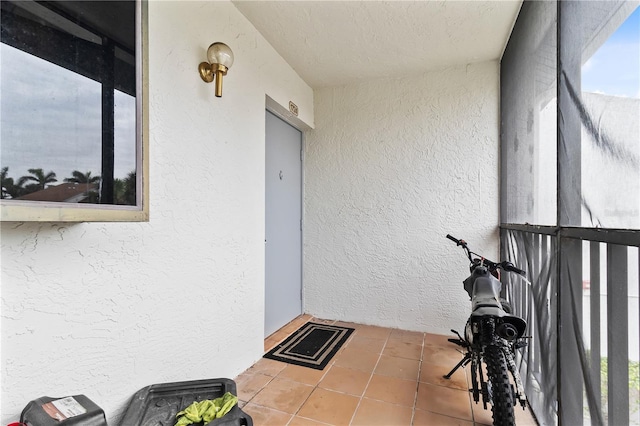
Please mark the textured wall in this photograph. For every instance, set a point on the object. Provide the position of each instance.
(610, 181)
(104, 309)
(391, 168)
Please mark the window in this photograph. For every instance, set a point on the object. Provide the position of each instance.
(71, 136)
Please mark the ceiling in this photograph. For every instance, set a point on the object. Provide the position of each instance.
(332, 43)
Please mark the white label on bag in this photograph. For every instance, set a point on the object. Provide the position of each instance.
(64, 408)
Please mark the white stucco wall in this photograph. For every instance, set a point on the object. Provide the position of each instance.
(104, 309)
(391, 168)
(610, 179)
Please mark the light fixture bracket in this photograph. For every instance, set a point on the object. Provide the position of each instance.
(208, 71)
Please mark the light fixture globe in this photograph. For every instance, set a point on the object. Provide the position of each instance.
(220, 53)
(220, 59)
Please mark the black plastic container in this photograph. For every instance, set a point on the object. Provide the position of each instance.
(157, 405)
(68, 411)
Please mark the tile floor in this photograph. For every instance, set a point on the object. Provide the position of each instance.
(381, 376)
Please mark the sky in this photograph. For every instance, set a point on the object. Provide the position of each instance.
(614, 69)
(53, 122)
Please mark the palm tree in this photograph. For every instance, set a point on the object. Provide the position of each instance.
(118, 191)
(4, 182)
(79, 177)
(89, 181)
(130, 189)
(9, 188)
(41, 180)
(124, 190)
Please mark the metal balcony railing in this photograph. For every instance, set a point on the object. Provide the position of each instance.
(581, 304)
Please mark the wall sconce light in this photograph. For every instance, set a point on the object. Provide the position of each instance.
(220, 59)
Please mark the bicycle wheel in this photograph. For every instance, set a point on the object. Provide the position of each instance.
(502, 397)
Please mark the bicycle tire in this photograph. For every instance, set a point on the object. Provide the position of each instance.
(502, 395)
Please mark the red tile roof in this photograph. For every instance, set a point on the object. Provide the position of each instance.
(69, 192)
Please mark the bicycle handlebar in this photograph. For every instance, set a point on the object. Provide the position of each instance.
(508, 266)
(505, 265)
(458, 242)
(455, 240)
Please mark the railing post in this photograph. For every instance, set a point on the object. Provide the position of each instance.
(570, 384)
(617, 334)
(595, 360)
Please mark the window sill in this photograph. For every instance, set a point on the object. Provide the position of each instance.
(14, 211)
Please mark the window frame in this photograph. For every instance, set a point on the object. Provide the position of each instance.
(41, 211)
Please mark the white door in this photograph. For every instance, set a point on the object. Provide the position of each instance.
(283, 239)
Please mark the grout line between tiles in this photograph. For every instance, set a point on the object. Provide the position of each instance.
(415, 399)
(309, 396)
(314, 386)
(260, 390)
(370, 378)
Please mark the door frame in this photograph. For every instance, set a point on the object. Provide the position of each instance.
(280, 112)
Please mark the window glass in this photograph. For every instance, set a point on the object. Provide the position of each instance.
(68, 105)
(125, 149)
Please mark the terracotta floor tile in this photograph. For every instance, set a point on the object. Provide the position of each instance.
(293, 326)
(433, 374)
(356, 359)
(303, 319)
(281, 334)
(249, 384)
(438, 339)
(301, 421)
(373, 332)
(441, 400)
(402, 349)
(346, 380)
(372, 412)
(346, 324)
(329, 407)
(401, 368)
(284, 332)
(308, 376)
(268, 367)
(427, 418)
(441, 355)
(408, 378)
(266, 416)
(366, 344)
(391, 389)
(283, 395)
(322, 321)
(270, 343)
(414, 337)
(274, 335)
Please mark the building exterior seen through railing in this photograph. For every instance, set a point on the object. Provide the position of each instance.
(570, 205)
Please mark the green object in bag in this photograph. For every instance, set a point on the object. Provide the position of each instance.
(207, 410)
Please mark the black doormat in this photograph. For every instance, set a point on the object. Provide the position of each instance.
(312, 345)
